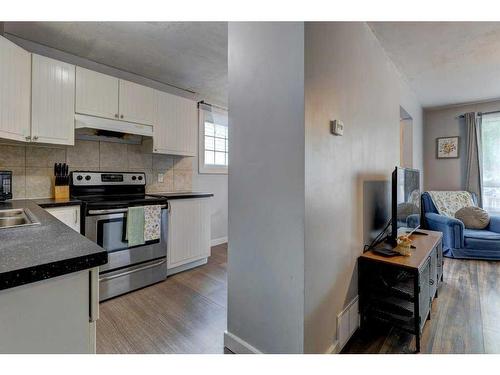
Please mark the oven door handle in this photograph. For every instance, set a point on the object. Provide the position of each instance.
(156, 264)
(115, 210)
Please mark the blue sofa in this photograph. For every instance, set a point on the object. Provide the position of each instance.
(459, 242)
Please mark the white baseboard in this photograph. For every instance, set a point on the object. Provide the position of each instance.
(218, 241)
(184, 267)
(334, 348)
(237, 345)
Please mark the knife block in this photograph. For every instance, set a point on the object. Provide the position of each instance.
(61, 192)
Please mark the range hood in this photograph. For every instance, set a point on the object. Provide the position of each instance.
(102, 129)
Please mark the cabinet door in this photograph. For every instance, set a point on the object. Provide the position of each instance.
(15, 91)
(189, 231)
(69, 215)
(96, 94)
(176, 126)
(137, 103)
(52, 101)
(49, 316)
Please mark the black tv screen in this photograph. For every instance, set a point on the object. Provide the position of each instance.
(376, 208)
(405, 199)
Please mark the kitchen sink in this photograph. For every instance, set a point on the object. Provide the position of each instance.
(17, 217)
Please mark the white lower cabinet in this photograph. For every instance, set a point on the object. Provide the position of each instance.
(188, 231)
(56, 316)
(69, 215)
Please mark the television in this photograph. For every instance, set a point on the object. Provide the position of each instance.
(405, 200)
(376, 208)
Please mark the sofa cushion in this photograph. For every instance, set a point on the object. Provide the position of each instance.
(481, 239)
(473, 217)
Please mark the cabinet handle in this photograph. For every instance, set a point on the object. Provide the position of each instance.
(28, 138)
(35, 137)
(121, 116)
(116, 115)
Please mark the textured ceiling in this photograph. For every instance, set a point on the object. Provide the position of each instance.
(189, 55)
(445, 62)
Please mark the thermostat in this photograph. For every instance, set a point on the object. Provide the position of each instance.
(337, 127)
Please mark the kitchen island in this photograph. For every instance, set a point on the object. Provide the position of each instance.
(48, 285)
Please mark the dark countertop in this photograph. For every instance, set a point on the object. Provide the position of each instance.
(39, 252)
(182, 195)
(51, 202)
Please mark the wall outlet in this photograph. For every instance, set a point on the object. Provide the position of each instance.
(337, 127)
(161, 177)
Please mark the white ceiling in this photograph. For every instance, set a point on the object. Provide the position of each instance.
(188, 55)
(445, 62)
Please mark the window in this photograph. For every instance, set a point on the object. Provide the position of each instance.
(213, 155)
(490, 140)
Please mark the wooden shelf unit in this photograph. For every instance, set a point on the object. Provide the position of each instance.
(399, 290)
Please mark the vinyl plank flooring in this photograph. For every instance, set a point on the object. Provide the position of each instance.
(184, 314)
(489, 293)
(464, 317)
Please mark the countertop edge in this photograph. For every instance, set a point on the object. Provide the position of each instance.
(181, 195)
(47, 271)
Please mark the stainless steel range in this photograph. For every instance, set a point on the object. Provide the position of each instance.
(106, 197)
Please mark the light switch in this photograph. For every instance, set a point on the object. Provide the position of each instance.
(337, 127)
(161, 176)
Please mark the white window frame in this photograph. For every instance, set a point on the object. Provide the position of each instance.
(202, 167)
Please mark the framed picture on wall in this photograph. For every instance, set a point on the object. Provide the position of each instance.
(447, 147)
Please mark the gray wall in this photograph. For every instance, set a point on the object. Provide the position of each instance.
(266, 185)
(200, 182)
(448, 174)
(348, 77)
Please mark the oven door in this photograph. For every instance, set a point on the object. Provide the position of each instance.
(107, 228)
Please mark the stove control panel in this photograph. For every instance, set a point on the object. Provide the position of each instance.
(83, 178)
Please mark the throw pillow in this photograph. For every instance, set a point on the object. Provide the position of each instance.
(473, 217)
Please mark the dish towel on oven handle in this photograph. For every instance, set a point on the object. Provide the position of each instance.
(152, 222)
(135, 226)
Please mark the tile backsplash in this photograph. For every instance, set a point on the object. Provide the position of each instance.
(32, 165)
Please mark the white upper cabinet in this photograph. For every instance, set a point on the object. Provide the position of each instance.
(176, 127)
(15, 91)
(52, 101)
(96, 94)
(137, 103)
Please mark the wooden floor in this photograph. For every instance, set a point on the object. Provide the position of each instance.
(184, 314)
(187, 314)
(465, 318)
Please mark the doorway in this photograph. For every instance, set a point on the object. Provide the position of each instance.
(405, 139)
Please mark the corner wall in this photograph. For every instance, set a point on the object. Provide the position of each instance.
(347, 77)
(266, 187)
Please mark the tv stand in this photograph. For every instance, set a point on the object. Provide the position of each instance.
(399, 290)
